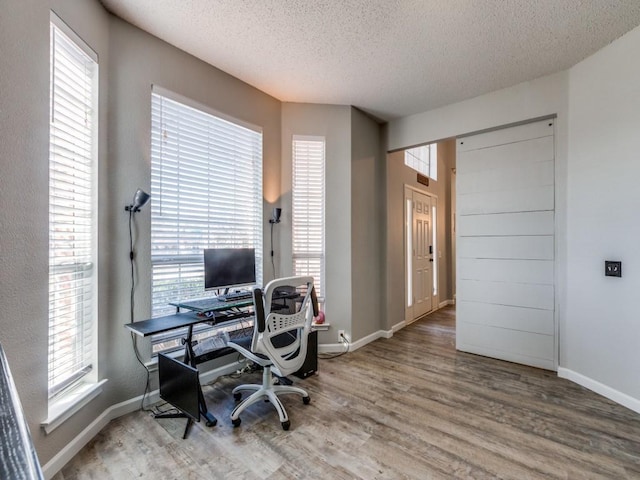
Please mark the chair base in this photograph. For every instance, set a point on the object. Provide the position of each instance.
(268, 391)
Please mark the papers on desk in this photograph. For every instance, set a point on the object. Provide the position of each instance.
(215, 342)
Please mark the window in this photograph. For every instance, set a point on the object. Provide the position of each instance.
(308, 209)
(424, 159)
(72, 207)
(206, 192)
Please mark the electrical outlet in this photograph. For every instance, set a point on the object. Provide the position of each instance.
(612, 269)
(341, 334)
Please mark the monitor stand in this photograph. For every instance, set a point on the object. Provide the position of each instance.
(177, 415)
(189, 359)
(210, 420)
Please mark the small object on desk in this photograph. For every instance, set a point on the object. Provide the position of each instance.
(202, 305)
(232, 297)
(213, 304)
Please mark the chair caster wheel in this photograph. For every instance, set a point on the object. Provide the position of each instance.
(237, 396)
(236, 422)
(211, 423)
(286, 425)
(306, 400)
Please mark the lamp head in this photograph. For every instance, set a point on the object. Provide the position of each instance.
(140, 199)
(275, 218)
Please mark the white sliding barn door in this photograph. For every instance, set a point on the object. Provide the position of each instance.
(505, 244)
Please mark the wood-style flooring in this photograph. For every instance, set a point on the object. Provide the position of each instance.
(407, 407)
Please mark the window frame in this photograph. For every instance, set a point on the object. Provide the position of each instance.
(307, 253)
(194, 260)
(88, 318)
(423, 159)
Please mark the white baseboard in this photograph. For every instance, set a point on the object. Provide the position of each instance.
(368, 339)
(339, 347)
(398, 326)
(600, 388)
(331, 348)
(445, 303)
(54, 465)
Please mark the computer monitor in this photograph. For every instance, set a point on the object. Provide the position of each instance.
(229, 267)
(179, 385)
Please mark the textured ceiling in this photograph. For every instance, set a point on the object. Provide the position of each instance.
(390, 58)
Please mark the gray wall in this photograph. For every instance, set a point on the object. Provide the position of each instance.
(138, 61)
(602, 330)
(334, 123)
(354, 269)
(24, 152)
(24, 155)
(130, 62)
(367, 204)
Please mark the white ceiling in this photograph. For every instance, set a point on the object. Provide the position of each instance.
(390, 58)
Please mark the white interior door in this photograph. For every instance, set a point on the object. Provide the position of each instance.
(423, 256)
(505, 244)
(420, 254)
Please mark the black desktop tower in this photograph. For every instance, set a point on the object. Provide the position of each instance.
(310, 365)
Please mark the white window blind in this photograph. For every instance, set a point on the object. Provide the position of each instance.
(423, 159)
(72, 239)
(206, 192)
(308, 209)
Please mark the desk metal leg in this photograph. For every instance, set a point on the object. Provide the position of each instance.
(190, 358)
(186, 428)
(177, 415)
(210, 420)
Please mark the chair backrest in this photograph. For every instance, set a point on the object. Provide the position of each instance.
(284, 313)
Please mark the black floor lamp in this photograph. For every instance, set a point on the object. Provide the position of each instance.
(140, 199)
(275, 218)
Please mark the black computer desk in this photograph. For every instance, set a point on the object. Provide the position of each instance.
(217, 313)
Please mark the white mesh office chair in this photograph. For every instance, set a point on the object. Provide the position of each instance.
(279, 344)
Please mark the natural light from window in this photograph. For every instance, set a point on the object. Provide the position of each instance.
(206, 192)
(72, 210)
(308, 209)
(423, 159)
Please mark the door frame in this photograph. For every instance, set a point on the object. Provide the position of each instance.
(435, 303)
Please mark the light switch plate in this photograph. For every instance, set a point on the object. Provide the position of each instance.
(612, 269)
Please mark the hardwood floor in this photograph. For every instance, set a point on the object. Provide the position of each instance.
(406, 407)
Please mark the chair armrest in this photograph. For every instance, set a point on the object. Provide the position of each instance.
(314, 301)
(258, 305)
(261, 360)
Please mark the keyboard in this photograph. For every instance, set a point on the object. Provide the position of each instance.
(234, 297)
(212, 303)
(202, 304)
